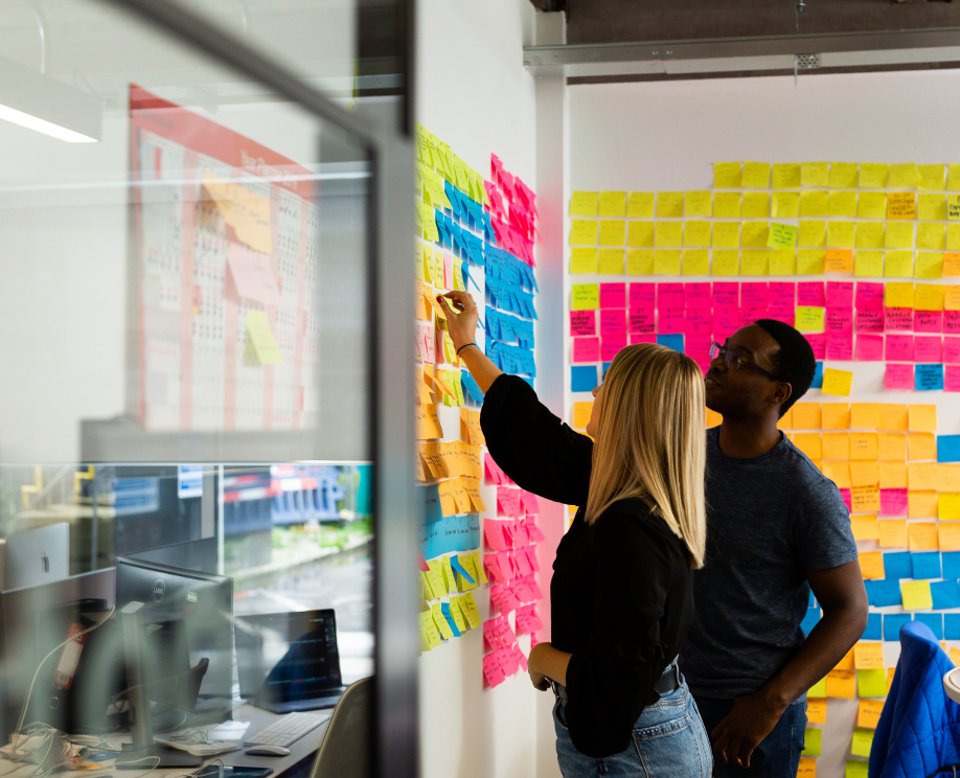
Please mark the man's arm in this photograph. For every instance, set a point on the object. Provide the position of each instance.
(842, 596)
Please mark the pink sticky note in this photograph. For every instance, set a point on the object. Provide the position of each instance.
(529, 503)
(897, 376)
(951, 349)
(586, 350)
(951, 378)
(845, 496)
(697, 295)
(869, 294)
(508, 501)
(611, 346)
(785, 292)
(928, 348)
(613, 321)
(869, 319)
(726, 321)
(642, 337)
(928, 321)
(726, 294)
(951, 322)
(898, 319)
(613, 295)
(521, 562)
(811, 293)
(641, 320)
(533, 531)
(670, 295)
(492, 673)
(699, 320)
(750, 313)
(670, 320)
(509, 529)
(697, 347)
(643, 296)
(893, 502)
(583, 323)
(869, 348)
(818, 342)
(838, 319)
(493, 535)
(491, 563)
(253, 274)
(839, 347)
(900, 348)
(839, 293)
(754, 294)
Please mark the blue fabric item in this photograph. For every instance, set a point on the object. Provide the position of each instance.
(919, 728)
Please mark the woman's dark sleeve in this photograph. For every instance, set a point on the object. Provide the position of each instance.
(532, 446)
(611, 680)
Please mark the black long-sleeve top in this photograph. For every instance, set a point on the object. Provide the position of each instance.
(622, 588)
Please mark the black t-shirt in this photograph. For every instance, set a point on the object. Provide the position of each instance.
(622, 588)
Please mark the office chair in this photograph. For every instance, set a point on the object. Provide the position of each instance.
(346, 744)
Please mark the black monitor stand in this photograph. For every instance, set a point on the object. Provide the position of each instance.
(143, 753)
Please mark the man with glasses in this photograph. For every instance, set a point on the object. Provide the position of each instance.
(777, 528)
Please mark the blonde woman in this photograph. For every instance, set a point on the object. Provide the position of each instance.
(622, 587)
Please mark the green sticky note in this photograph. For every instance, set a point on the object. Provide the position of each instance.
(861, 742)
(872, 683)
(812, 742)
(585, 297)
(781, 236)
(810, 318)
(819, 689)
(856, 770)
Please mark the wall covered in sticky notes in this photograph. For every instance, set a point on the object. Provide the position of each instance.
(742, 199)
(478, 555)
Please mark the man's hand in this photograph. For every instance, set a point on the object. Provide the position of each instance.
(750, 720)
(539, 680)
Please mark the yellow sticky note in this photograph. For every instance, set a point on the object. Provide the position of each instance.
(583, 232)
(837, 382)
(892, 533)
(429, 635)
(868, 263)
(901, 205)
(898, 264)
(813, 204)
(668, 234)
(948, 506)
(812, 234)
(899, 235)
(873, 175)
(585, 297)
(754, 263)
(726, 205)
(613, 204)
(861, 742)
(843, 175)
(781, 236)
(726, 262)
(783, 263)
(869, 235)
(754, 234)
(932, 207)
(726, 235)
(931, 236)
(928, 297)
(755, 205)
(696, 262)
(610, 262)
(810, 262)
(953, 207)
(872, 205)
(899, 295)
(583, 260)
(953, 177)
(698, 203)
(810, 318)
(872, 683)
(871, 565)
(814, 174)
(819, 689)
(613, 232)
(868, 713)
(929, 264)
(669, 205)
(838, 261)
(932, 177)
(841, 683)
(786, 175)
(640, 205)
(842, 204)
(810, 443)
(640, 262)
(840, 234)
(262, 345)
(581, 413)
(696, 233)
(786, 205)
(666, 262)
(726, 175)
(755, 175)
(584, 203)
(916, 595)
(904, 174)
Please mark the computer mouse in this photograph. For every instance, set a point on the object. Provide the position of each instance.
(267, 750)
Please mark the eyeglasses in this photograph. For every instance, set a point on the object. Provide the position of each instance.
(737, 361)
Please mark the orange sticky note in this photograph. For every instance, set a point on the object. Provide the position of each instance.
(949, 537)
(892, 447)
(864, 474)
(948, 476)
(865, 527)
(809, 443)
(868, 655)
(835, 416)
(892, 533)
(807, 767)
(816, 711)
(893, 475)
(838, 261)
(806, 416)
(922, 475)
(921, 445)
(836, 445)
(923, 536)
(865, 415)
(864, 499)
(842, 683)
(581, 413)
(922, 418)
(864, 445)
(868, 713)
(871, 565)
(893, 417)
(922, 504)
(845, 663)
(838, 472)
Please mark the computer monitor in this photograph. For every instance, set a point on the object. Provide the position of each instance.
(187, 647)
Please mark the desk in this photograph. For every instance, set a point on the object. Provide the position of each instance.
(259, 719)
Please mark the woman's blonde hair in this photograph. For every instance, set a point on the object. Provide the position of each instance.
(650, 441)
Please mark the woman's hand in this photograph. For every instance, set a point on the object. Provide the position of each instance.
(462, 316)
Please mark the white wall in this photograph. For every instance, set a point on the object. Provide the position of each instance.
(474, 94)
(665, 136)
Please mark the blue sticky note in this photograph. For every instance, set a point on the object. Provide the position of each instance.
(932, 620)
(948, 448)
(884, 592)
(583, 378)
(445, 609)
(460, 570)
(946, 594)
(817, 377)
(874, 629)
(604, 368)
(928, 378)
(671, 341)
(897, 564)
(951, 564)
(892, 623)
(925, 564)
(951, 626)
(810, 620)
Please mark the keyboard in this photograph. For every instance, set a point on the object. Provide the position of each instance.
(288, 729)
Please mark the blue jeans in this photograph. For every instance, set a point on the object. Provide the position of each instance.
(777, 756)
(669, 741)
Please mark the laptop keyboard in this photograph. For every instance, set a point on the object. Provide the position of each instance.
(288, 729)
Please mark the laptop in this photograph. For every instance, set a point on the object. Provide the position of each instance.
(289, 661)
(37, 556)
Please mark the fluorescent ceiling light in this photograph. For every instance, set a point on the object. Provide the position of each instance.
(46, 105)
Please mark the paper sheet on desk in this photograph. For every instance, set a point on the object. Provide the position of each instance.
(207, 741)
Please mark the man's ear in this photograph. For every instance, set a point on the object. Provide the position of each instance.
(781, 393)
